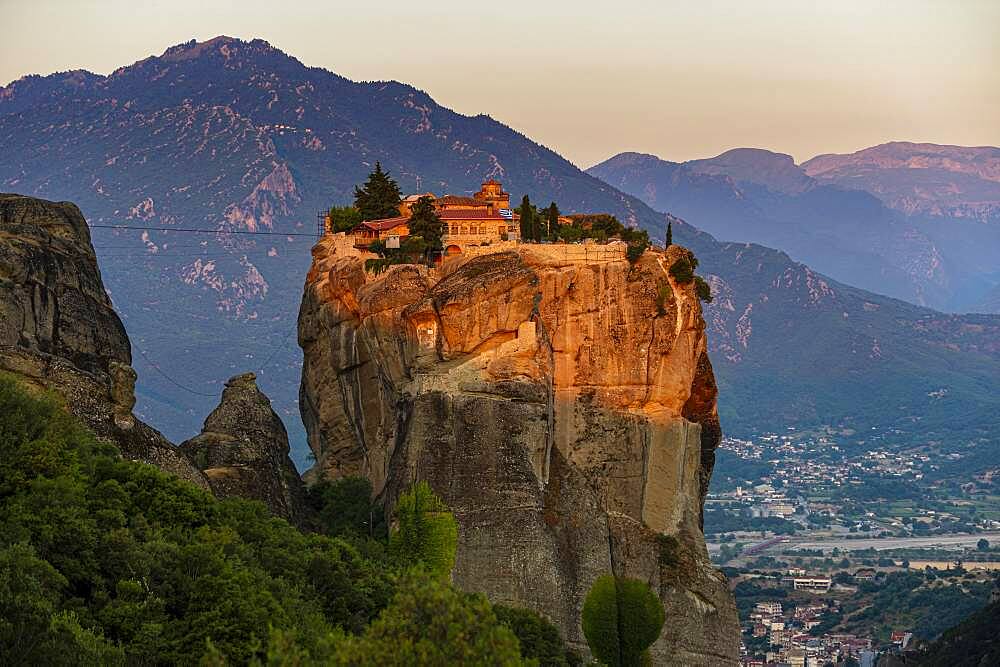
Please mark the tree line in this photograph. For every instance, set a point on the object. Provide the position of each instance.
(105, 561)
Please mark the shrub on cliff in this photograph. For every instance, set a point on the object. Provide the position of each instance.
(682, 270)
(621, 620)
(702, 289)
(637, 240)
(426, 533)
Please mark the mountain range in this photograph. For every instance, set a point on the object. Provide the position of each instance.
(231, 136)
(868, 219)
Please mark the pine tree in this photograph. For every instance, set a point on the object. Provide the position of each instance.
(379, 197)
(527, 219)
(426, 225)
(670, 234)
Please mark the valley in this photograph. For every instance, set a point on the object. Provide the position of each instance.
(294, 366)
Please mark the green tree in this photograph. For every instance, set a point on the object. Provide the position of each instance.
(104, 560)
(683, 268)
(379, 197)
(621, 620)
(426, 533)
(430, 623)
(425, 226)
(539, 639)
(670, 233)
(344, 218)
(527, 213)
(552, 215)
(32, 629)
(983, 544)
(702, 289)
(344, 507)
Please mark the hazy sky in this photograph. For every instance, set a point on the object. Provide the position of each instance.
(590, 79)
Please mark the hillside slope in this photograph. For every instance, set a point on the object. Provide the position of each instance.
(841, 230)
(228, 135)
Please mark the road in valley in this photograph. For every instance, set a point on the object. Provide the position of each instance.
(797, 543)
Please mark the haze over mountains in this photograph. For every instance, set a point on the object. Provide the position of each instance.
(228, 135)
(913, 221)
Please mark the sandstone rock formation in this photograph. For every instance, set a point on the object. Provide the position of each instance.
(243, 451)
(559, 399)
(59, 331)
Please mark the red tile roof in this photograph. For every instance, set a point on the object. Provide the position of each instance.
(385, 224)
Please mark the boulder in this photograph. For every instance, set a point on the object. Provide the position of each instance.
(243, 451)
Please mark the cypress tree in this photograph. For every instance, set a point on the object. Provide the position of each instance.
(527, 220)
(553, 229)
(670, 234)
(426, 225)
(379, 197)
(621, 619)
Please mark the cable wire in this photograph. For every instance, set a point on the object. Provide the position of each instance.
(201, 231)
(167, 377)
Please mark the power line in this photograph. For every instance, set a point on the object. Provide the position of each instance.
(200, 231)
(168, 378)
(274, 352)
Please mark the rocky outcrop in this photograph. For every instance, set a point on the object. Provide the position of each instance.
(59, 331)
(243, 451)
(558, 398)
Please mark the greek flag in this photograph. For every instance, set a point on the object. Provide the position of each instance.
(507, 214)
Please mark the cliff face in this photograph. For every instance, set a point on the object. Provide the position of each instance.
(558, 399)
(243, 451)
(59, 331)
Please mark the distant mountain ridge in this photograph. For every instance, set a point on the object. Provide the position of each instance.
(846, 232)
(926, 179)
(229, 135)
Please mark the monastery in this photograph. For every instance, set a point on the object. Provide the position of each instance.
(482, 219)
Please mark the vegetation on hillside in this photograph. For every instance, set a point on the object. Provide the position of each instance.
(106, 561)
(971, 643)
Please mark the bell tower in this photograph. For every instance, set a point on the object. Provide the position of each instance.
(493, 194)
